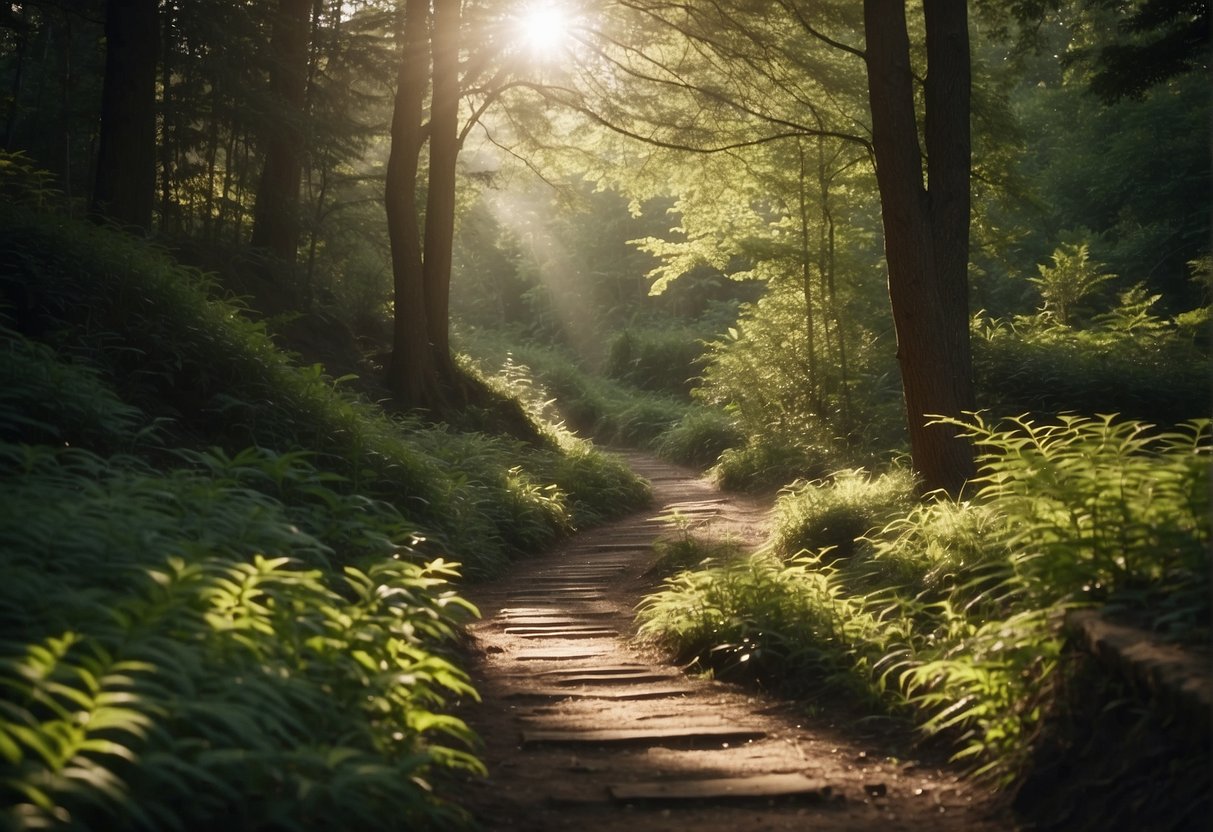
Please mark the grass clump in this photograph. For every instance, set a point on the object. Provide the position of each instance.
(951, 612)
(765, 463)
(834, 514)
(699, 438)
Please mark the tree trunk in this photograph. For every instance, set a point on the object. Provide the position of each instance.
(276, 212)
(125, 185)
(411, 371)
(440, 194)
(926, 229)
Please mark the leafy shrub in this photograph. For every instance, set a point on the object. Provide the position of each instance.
(149, 648)
(762, 373)
(1128, 362)
(952, 611)
(699, 438)
(766, 464)
(657, 360)
(834, 514)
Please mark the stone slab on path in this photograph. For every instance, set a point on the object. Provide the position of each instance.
(762, 786)
(709, 736)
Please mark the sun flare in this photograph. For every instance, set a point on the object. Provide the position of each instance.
(544, 28)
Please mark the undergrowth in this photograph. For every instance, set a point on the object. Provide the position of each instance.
(228, 596)
(951, 612)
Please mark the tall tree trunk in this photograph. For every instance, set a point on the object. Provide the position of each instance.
(169, 134)
(440, 193)
(411, 371)
(125, 185)
(806, 279)
(276, 212)
(926, 229)
(16, 19)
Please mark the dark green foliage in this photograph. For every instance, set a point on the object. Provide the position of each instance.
(223, 601)
(1151, 373)
(658, 360)
(215, 378)
(700, 438)
(765, 463)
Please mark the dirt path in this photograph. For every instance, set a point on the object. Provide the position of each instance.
(586, 731)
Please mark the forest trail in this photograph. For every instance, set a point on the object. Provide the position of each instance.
(585, 730)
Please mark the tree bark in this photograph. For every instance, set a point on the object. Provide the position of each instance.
(411, 370)
(125, 185)
(276, 212)
(926, 225)
(440, 193)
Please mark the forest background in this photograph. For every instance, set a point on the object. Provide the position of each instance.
(498, 225)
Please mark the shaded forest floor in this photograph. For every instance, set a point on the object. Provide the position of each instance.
(585, 729)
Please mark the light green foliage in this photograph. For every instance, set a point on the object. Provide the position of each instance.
(700, 438)
(834, 514)
(760, 373)
(765, 464)
(1100, 509)
(1071, 279)
(952, 610)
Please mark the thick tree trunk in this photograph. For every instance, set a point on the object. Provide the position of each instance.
(926, 228)
(440, 194)
(411, 371)
(125, 185)
(276, 212)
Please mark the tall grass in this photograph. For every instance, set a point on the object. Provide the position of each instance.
(952, 611)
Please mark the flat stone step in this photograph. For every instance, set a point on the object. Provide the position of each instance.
(543, 629)
(642, 736)
(513, 613)
(549, 621)
(762, 786)
(605, 670)
(559, 654)
(614, 678)
(610, 695)
(601, 632)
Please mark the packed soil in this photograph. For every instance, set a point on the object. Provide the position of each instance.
(587, 729)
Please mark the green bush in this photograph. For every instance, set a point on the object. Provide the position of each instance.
(160, 671)
(952, 611)
(699, 438)
(764, 464)
(657, 360)
(835, 514)
(1128, 363)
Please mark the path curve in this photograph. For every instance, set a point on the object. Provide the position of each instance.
(585, 730)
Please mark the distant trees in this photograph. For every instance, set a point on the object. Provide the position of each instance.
(781, 72)
(124, 187)
(276, 210)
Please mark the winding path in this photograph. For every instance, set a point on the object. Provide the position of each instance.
(585, 730)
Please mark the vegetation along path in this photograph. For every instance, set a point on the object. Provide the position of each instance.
(585, 729)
